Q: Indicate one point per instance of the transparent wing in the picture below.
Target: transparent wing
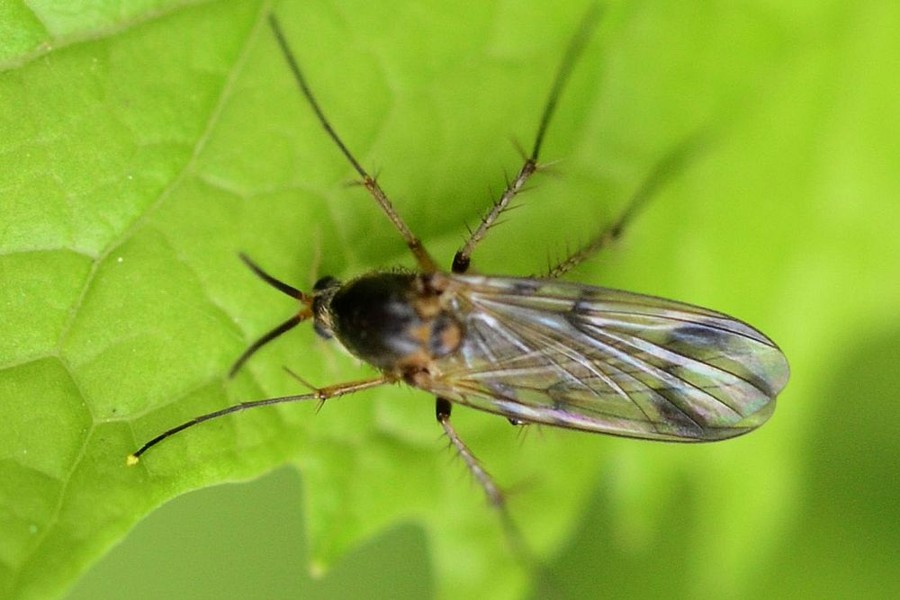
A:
(596, 359)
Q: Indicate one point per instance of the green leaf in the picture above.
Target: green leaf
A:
(143, 145)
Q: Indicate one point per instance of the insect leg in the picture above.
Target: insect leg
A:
(463, 256)
(320, 394)
(415, 245)
(671, 164)
(442, 409)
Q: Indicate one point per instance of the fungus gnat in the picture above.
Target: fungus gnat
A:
(532, 350)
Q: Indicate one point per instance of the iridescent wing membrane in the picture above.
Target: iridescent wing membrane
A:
(596, 359)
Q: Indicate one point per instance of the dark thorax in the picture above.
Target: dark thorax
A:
(398, 322)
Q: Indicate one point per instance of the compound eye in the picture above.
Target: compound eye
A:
(323, 283)
(322, 331)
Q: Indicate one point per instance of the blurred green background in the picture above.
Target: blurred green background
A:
(146, 143)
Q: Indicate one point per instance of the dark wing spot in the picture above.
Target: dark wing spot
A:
(581, 307)
(729, 351)
(526, 287)
(694, 336)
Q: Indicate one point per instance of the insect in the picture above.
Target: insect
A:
(533, 350)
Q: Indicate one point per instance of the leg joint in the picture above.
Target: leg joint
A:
(442, 409)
